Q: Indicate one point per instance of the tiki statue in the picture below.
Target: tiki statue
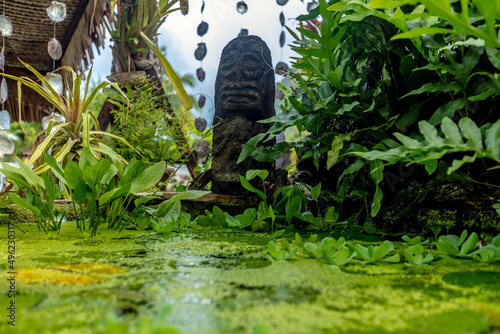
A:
(244, 94)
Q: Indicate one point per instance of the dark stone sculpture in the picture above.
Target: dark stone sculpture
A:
(244, 94)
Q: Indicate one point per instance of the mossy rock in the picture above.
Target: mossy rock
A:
(18, 214)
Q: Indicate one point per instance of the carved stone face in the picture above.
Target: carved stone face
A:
(245, 80)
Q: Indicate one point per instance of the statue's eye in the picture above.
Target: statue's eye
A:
(227, 65)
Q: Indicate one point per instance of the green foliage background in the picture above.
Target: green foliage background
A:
(426, 70)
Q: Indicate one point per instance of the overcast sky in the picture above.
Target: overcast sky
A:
(178, 34)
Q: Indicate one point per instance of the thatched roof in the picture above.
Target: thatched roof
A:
(82, 29)
(33, 29)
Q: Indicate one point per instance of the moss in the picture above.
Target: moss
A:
(437, 220)
(442, 220)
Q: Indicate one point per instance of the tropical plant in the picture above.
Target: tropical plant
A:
(466, 137)
(133, 34)
(366, 73)
(66, 140)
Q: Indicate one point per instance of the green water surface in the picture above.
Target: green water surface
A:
(212, 280)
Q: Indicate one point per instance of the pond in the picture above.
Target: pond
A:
(216, 280)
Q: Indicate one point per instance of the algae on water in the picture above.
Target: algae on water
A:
(216, 280)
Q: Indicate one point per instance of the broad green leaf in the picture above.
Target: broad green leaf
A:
(86, 156)
(451, 131)
(174, 79)
(422, 31)
(93, 175)
(232, 222)
(142, 221)
(470, 244)
(432, 87)
(49, 188)
(16, 178)
(293, 208)
(110, 196)
(471, 132)
(165, 206)
(173, 213)
(494, 56)
(385, 248)
(347, 107)
(361, 251)
(430, 134)
(56, 168)
(80, 191)
(316, 191)
(219, 216)
(252, 173)
(457, 163)
(251, 188)
(130, 172)
(148, 177)
(392, 259)
(377, 201)
(446, 246)
(73, 174)
(447, 111)
(143, 200)
(22, 203)
(29, 174)
(492, 141)
(250, 146)
(107, 151)
(333, 154)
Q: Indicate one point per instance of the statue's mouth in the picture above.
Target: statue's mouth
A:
(241, 99)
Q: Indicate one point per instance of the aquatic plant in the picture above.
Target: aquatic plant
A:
(285, 252)
(415, 256)
(453, 245)
(373, 254)
(168, 216)
(340, 258)
(89, 182)
(327, 247)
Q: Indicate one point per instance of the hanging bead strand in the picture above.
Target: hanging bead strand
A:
(281, 67)
(242, 8)
(200, 123)
(6, 144)
(56, 13)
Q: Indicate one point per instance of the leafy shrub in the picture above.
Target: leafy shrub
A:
(370, 72)
(146, 124)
